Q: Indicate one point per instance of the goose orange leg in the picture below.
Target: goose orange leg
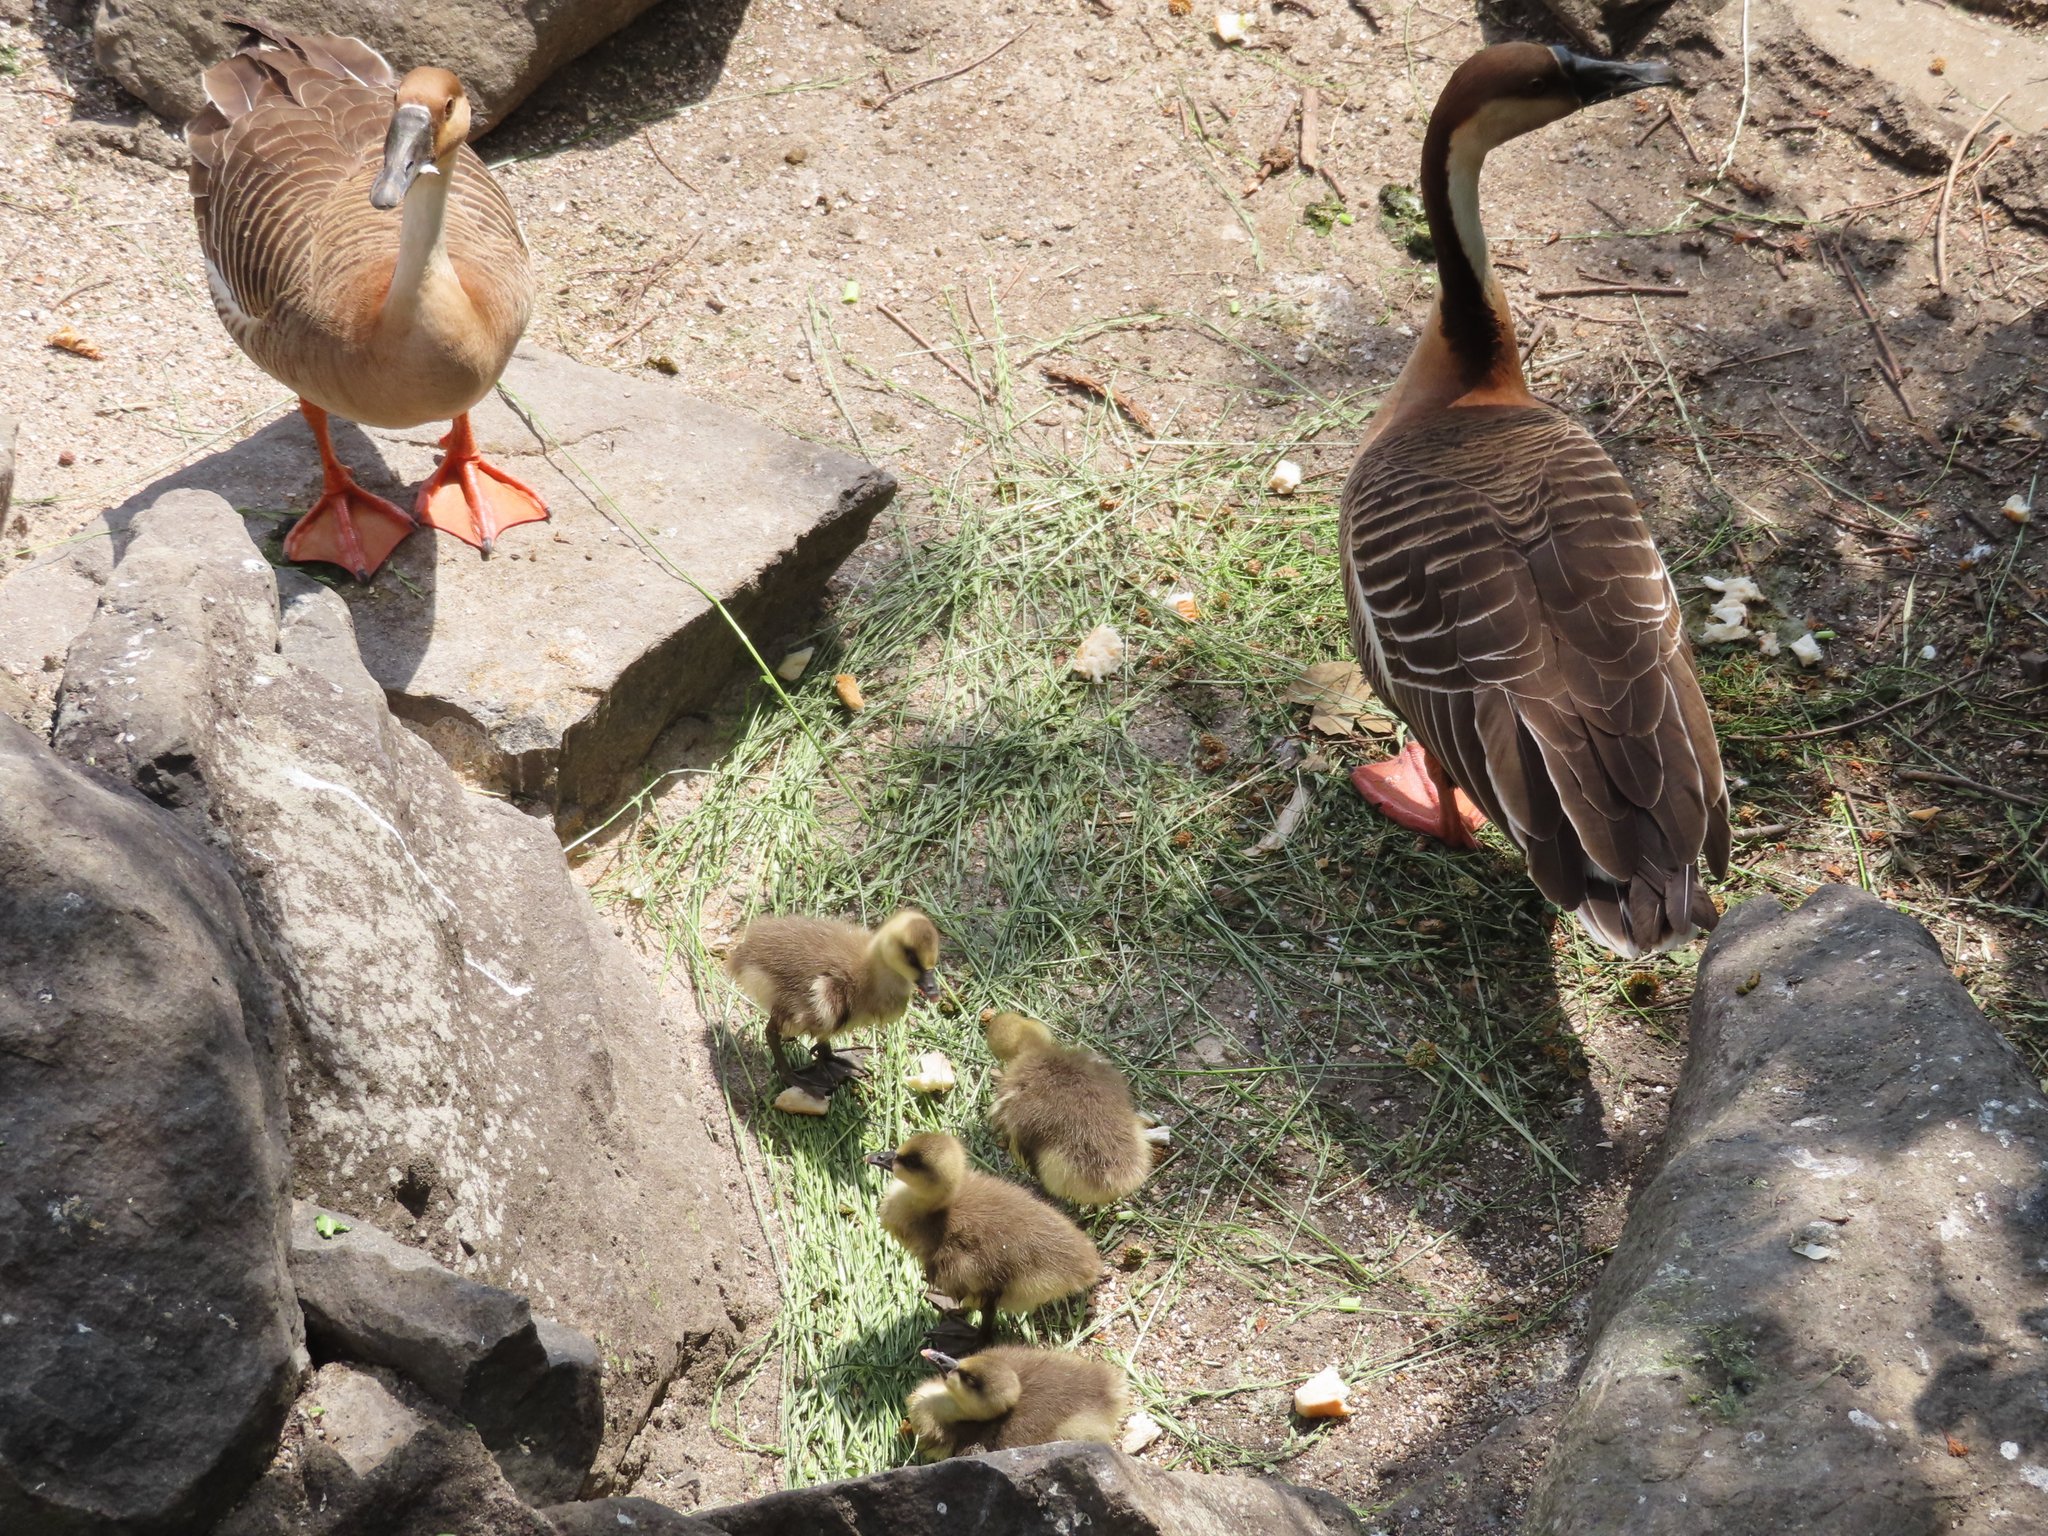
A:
(472, 499)
(348, 526)
(1413, 789)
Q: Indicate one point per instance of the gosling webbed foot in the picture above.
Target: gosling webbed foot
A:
(954, 1335)
(827, 1071)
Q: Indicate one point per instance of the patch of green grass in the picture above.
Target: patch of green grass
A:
(1724, 1363)
(1085, 850)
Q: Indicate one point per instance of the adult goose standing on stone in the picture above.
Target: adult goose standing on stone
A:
(1505, 597)
(361, 254)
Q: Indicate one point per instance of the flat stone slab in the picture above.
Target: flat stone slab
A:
(1826, 1312)
(1041, 1490)
(547, 670)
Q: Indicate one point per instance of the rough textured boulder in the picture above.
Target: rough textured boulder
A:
(532, 1390)
(156, 49)
(477, 1065)
(2019, 181)
(547, 671)
(1825, 1313)
(148, 1338)
(1605, 27)
(1044, 1490)
(8, 428)
(369, 1454)
(624, 1517)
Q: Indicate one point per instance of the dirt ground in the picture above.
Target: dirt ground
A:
(766, 202)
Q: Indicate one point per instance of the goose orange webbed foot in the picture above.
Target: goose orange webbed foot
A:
(472, 499)
(347, 526)
(350, 528)
(1413, 789)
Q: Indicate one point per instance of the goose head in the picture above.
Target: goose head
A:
(980, 1387)
(429, 122)
(1505, 91)
(932, 1165)
(908, 944)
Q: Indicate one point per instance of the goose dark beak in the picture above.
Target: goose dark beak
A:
(408, 151)
(943, 1361)
(1594, 80)
(928, 985)
(881, 1159)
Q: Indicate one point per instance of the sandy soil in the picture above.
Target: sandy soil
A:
(704, 193)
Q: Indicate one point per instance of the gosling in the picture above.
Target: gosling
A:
(1010, 1396)
(821, 979)
(1066, 1114)
(986, 1245)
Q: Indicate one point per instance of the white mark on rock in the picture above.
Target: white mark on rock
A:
(1864, 1421)
(515, 991)
(305, 780)
(1822, 1167)
(2009, 1449)
(2036, 1477)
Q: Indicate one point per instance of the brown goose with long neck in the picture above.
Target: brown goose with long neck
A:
(1505, 596)
(360, 253)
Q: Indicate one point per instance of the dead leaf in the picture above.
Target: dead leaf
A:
(1337, 695)
(68, 340)
(849, 691)
(1956, 1447)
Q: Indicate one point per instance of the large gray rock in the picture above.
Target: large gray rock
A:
(148, 1337)
(532, 1390)
(478, 1066)
(369, 1454)
(1042, 1490)
(156, 49)
(624, 1517)
(547, 671)
(1842, 1095)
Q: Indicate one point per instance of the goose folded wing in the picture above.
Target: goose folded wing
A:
(1525, 628)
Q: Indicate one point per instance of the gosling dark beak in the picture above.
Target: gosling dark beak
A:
(944, 1362)
(408, 151)
(881, 1159)
(928, 985)
(1604, 79)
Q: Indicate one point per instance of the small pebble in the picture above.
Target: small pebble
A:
(796, 156)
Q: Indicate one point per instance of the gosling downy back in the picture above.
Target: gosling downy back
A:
(819, 977)
(1066, 1114)
(982, 1240)
(1012, 1395)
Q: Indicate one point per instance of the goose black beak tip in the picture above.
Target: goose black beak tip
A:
(943, 1361)
(928, 986)
(881, 1159)
(1604, 79)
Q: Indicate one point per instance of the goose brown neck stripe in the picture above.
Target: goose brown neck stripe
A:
(1469, 322)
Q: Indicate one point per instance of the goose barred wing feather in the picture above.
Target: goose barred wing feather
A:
(283, 157)
(1507, 601)
(288, 121)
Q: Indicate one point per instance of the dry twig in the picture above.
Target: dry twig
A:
(1887, 360)
(1311, 103)
(662, 161)
(1073, 378)
(1957, 781)
(952, 74)
(1619, 290)
(934, 353)
(1948, 187)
